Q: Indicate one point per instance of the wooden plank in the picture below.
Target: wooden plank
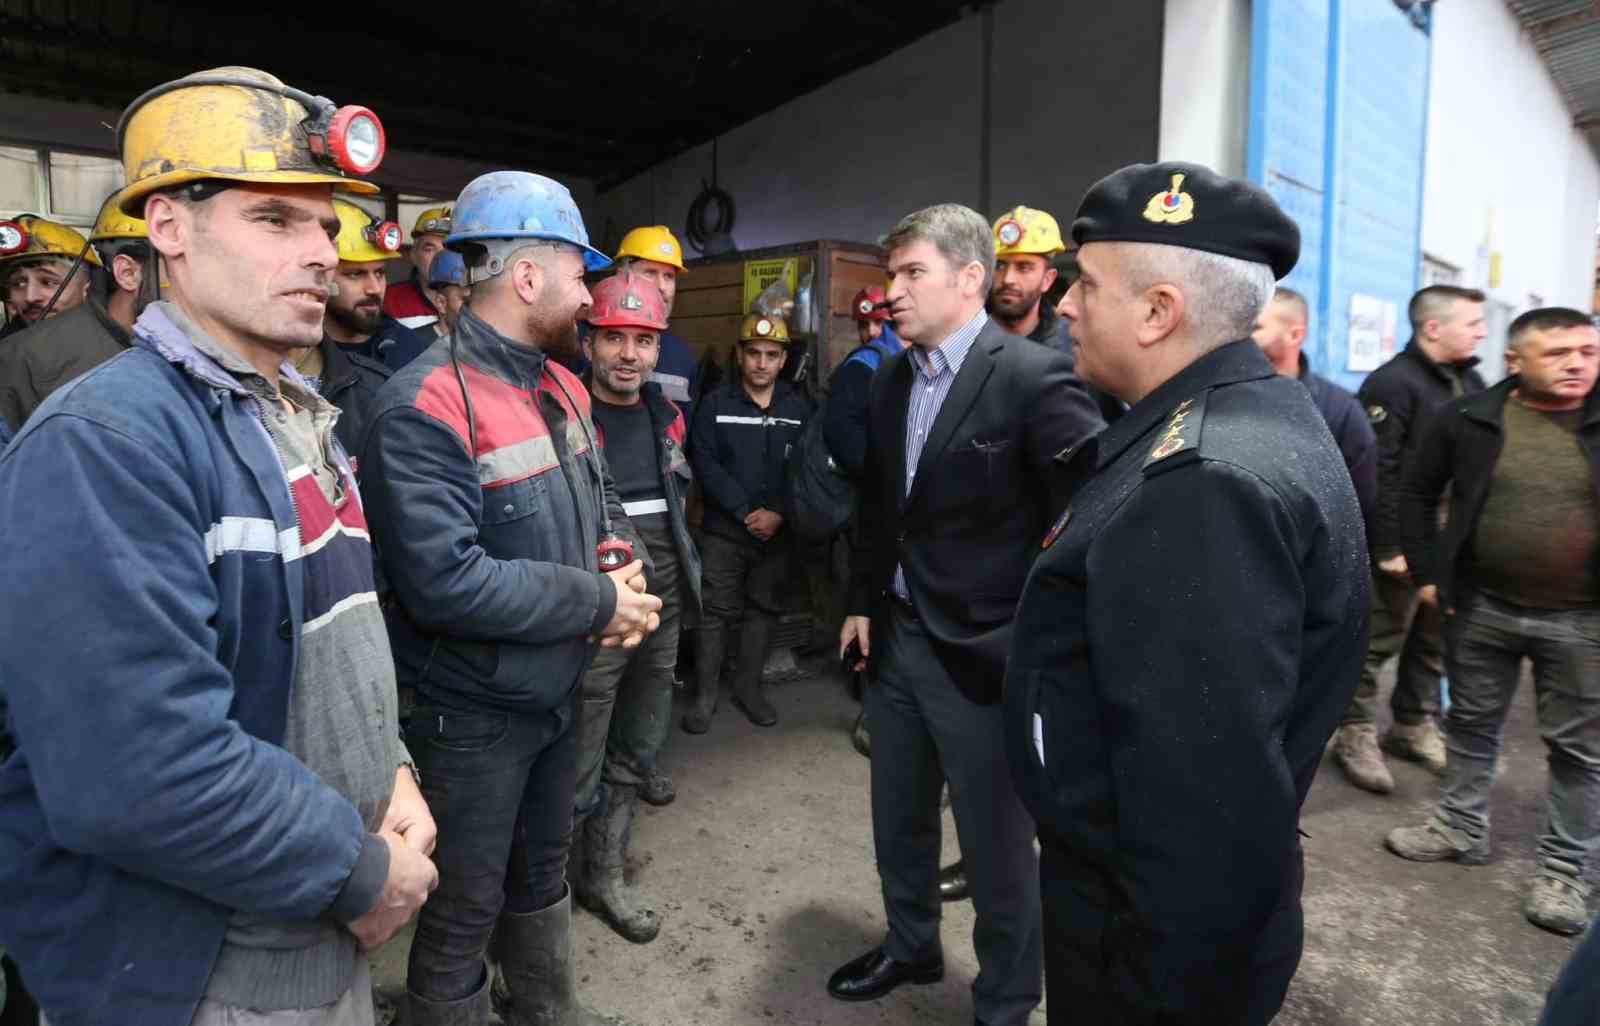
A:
(723, 300)
(711, 276)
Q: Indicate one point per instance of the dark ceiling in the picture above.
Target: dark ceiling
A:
(601, 89)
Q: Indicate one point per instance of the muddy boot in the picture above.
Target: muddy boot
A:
(1436, 841)
(1421, 743)
(859, 735)
(539, 971)
(709, 642)
(749, 693)
(601, 888)
(658, 790)
(472, 1010)
(1557, 903)
(1356, 752)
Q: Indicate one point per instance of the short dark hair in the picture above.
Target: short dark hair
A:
(1283, 295)
(1546, 318)
(1433, 302)
(109, 250)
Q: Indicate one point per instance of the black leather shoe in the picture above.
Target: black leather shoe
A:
(953, 882)
(875, 974)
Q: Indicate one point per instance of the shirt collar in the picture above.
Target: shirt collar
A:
(952, 352)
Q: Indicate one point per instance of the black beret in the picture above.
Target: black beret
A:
(1192, 206)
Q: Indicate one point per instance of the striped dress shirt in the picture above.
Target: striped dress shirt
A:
(936, 372)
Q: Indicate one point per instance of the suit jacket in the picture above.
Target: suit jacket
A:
(985, 494)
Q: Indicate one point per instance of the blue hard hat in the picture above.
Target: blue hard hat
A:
(448, 268)
(520, 205)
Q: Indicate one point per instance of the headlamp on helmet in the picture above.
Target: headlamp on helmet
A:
(13, 238)
(385, 236)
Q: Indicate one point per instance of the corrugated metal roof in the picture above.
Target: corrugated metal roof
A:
(1567, 35)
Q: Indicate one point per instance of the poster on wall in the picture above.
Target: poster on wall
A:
(1371, 337)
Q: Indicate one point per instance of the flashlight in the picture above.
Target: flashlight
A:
(614, 552)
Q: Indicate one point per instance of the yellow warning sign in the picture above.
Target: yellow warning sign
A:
(758, 274)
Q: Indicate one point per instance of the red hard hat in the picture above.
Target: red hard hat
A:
(868, 305)
(626, 301)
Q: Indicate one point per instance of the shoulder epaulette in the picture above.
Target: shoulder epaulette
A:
(1178, 440)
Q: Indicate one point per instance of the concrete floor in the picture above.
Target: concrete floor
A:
(764, 871)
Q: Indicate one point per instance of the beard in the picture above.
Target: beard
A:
(626, 388)
(1013, 306)
(361, 320)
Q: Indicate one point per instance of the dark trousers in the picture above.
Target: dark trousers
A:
(1400, 626)
(500, 787)
(926, 731)
(740, 581)
(627, 696)
(1486, 644)
(1575, 997)
(1086, 965)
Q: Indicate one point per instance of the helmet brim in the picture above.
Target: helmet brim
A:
(624, 322)
(593, 259)
(133, 196)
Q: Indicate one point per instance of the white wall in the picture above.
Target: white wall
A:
(1205, 83)
(1501, 146)
(42, 122)
(1072, 97)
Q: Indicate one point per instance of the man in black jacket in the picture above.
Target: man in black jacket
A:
(627, 695)
(1446, 326)
(59, 348)
(1280, 332)
(957, 491)
(742, 435)
(1194, 627)
(1516, 571)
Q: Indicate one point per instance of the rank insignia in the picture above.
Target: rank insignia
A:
(1182, 432)
(1060, 525)
(1171, 207)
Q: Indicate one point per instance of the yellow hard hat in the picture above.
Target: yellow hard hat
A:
(1025, 230)
(29, 237)
(433, 221)
(764, 328)
(654, 243)
(114, 224)
(243, 125)
(363, 239)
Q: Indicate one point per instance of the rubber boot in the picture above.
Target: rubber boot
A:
(539, 971)
(709, 641)
(749, 693)
(472, 1010)
(601, 887)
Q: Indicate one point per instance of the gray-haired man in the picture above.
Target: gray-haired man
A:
(962, 428)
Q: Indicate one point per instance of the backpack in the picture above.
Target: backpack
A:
(821, 498)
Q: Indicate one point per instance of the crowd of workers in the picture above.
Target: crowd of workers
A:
(1111, 576)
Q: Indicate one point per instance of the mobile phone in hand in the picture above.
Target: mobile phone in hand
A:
(852, 656)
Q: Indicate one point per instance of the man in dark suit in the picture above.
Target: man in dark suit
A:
(956, 496)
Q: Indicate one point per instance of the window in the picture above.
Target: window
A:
(1439, 272)
(21, 184)
(62, 186)
(79, 184)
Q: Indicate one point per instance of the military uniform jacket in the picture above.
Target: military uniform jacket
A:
(1185, 645)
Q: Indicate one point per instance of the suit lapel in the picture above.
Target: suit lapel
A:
(975, 370)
